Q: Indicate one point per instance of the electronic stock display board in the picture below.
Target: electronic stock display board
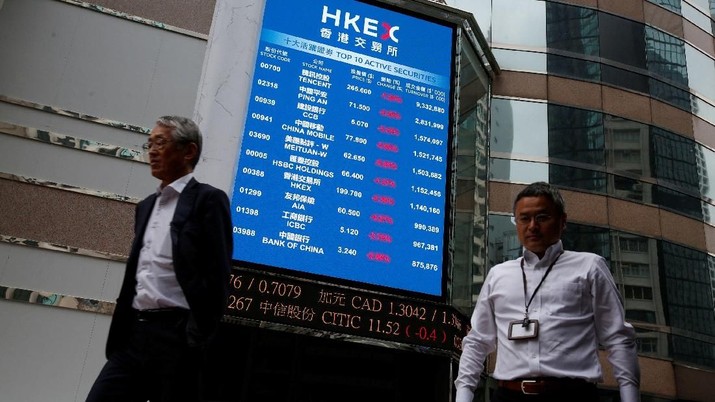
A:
(343, 164)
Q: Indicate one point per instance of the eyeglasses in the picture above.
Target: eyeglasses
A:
(159, 143)
(538, 218)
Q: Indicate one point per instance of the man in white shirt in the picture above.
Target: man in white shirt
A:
(175, 285)
(545, 315)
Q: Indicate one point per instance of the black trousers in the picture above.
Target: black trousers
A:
(587, 393)
(157, 365)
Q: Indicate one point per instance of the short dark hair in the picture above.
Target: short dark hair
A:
(541, 188)
(183, 130)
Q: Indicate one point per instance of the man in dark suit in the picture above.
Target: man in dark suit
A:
(176, 280)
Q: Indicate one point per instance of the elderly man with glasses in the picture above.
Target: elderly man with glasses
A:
(176, 280)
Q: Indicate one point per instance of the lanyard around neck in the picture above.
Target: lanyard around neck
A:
(523, 276)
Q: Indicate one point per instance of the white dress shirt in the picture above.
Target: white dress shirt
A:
(157, 286)
(578, 307)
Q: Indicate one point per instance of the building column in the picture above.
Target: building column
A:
(225, 84)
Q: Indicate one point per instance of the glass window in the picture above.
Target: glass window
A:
(517, 171)
(627, 156)
(675, 159)
(628, 135)
(482, 11)
(697, 16)
(637, 292)
(703, 109)
(686, 276)
(582, 179)
(624, 78)
(519, 127)
(519, 23)
(587, 238)
(693, 351)
(706, 164)
(583, 144)
(701, 70)
(635, 269)
(677, 202)
(647, 345)
(665, 56)
(503, 242)
(625, 142)
(463, 274)
(630, 160)
(708, 215)
(672, 5)
(468, 256)
(572, 29)
(706, 7)
(702, 4)
(520, 61)
(641, 315)
(574, 68)
(670, 94)
(632, 55)
(576, 135)
(630, 189)
(622, 40)
(634, 244)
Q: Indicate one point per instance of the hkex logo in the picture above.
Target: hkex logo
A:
(368, 26)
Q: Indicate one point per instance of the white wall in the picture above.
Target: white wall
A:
(72, 58)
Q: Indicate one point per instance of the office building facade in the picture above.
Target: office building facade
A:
(612, 101)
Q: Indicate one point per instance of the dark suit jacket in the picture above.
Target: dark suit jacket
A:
(202, 246)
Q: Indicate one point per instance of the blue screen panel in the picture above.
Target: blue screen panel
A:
(342, 167)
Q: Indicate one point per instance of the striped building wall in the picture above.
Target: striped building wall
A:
(81, 87)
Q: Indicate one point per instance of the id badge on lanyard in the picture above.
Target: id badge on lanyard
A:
(523, 329)
(526, 328)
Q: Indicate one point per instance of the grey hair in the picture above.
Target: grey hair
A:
(183, 131)
(544, 189)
